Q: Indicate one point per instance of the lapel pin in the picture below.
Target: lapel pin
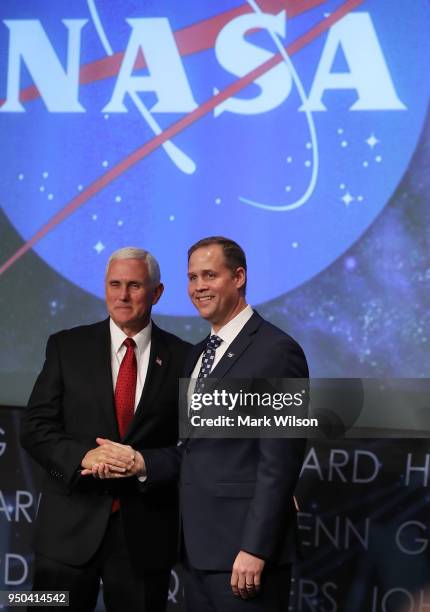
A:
(158, 361)
(230, 355)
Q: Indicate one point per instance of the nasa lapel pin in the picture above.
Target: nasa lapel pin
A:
(158, 361)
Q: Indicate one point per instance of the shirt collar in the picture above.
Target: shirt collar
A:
(117, 337)
(230, 330)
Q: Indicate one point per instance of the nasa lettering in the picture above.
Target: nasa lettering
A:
(277, 132)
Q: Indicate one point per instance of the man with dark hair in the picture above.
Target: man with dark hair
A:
(107, 391)
(236, 495)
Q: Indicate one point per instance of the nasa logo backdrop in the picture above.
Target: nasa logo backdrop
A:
(284, 124)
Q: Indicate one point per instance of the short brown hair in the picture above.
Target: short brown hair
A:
(233, 253)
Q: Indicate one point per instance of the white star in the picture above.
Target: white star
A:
(99, 247)
(372, 141)
(347, 198)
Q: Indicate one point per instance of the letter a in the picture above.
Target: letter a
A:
(166, 74)
(368, 71)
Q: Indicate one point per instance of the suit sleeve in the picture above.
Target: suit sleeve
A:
(278, 470)
(162, 465)
(42, 427)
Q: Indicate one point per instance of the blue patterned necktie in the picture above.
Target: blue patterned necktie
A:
(207, 362)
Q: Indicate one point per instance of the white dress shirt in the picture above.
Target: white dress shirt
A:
(142, 350)
(227, 333)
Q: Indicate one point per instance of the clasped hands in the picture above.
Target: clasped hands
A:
(112, 460)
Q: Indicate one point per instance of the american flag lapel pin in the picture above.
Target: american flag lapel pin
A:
(158, 361)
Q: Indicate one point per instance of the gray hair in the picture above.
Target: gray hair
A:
(136, 253)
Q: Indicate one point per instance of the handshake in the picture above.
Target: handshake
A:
(113, 460)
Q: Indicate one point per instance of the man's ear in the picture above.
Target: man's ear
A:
(158, 292)
(240, 275)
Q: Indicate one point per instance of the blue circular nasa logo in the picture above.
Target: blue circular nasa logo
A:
(284, 125)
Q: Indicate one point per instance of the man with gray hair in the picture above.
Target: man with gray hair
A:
(107, 391)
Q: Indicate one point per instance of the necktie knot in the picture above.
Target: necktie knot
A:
(129, 342)
(214, 342)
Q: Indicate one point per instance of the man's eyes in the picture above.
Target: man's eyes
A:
(193, 277)
(117, 284)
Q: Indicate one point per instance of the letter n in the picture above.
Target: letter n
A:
(29, 44)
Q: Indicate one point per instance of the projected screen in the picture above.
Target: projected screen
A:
(297, 127)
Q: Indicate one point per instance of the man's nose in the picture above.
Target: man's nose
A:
(124, 293)
(201, 284)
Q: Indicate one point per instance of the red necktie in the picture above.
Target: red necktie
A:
(125, 389)
(125, 392)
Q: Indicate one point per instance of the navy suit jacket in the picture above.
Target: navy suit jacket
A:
(72, 403)
(237, 494)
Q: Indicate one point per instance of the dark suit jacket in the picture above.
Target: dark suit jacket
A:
(72, 403)
(237, 494)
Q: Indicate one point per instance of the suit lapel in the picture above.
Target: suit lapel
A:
(234, 351)
(98, 355)
(195, 353)
(158, 363)
(230, 357)
(237, 347)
